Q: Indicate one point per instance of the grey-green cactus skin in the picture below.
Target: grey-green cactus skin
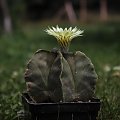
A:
(60, 77)
(84, 75)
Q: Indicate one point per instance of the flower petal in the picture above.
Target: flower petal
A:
(64, 36)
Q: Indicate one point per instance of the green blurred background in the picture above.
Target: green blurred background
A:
(22, 25)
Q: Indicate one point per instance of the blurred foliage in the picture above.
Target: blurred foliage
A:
(39, 9)
(17, 11)
(17, 8)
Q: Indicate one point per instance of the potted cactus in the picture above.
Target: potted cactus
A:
(60, 84)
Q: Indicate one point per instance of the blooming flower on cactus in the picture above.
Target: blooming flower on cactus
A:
(64, 36)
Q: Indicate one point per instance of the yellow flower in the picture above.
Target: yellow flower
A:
(64, 36)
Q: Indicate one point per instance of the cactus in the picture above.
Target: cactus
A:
(59, 75)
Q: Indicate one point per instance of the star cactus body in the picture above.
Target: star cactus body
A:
(64, 36)
(55, 76)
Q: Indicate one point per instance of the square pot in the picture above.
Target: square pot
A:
(61, 111)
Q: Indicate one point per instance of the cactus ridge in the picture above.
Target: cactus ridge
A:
(56, 76)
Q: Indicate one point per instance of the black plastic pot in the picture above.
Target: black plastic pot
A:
(61, 111)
